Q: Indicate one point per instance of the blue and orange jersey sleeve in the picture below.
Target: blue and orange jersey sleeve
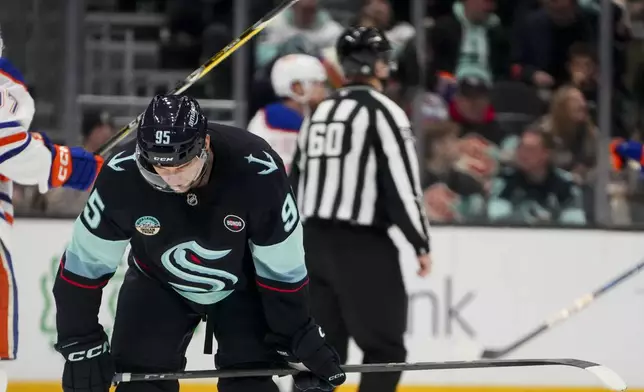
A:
(23, 158)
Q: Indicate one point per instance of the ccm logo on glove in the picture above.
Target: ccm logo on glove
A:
(71, 167)
(63, 164)
(90, 353)
(337, 376)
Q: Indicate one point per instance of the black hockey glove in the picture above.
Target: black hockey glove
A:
(308, 349)
(88, 364)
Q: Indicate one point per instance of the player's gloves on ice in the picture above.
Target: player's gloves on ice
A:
(88, 364)
(309, 350)
(72, 167)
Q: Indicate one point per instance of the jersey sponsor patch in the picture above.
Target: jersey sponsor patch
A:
(234, 223)
(147, 225)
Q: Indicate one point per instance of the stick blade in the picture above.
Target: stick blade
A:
(607, 376)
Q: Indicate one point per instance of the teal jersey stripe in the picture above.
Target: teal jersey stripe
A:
(281, 262)
(90, 256)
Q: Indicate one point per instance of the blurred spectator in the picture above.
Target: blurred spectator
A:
(450, 195)
(583, 69)
(378, 13)
(27, 200)
(621, 15)
(470, 38)
(482, 139)
(533, 190)
(583, 73)
(574, 134)
(97, 128)
(470, 104)
(543, 40)
(306, 19)
(513, 12)
(433, 108)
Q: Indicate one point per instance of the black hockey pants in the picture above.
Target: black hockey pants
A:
(357, 291)
(154, 325)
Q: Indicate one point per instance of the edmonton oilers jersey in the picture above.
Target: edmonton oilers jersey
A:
(240, 229)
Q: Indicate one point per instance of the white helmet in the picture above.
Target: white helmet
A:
(295, 68)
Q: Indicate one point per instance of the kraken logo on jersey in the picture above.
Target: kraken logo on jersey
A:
(204, 285)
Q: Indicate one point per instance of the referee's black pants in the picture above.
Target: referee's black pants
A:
(357, 291)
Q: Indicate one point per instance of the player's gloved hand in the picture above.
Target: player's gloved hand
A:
(622, 150)
(88, 364)
(308, 350)
(72, 167)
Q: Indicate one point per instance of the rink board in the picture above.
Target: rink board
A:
(488, 287)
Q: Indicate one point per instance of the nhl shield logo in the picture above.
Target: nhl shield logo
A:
(234, 223)
(191, 199)
(147, 225)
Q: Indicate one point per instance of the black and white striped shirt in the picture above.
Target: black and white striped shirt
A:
(356, 162)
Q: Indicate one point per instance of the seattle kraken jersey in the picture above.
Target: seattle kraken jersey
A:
(239, 231)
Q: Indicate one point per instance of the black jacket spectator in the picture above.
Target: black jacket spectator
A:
(542, 44)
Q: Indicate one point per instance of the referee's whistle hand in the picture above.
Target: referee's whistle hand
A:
(424, 265)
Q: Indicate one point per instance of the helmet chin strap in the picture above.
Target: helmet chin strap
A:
(200, 177)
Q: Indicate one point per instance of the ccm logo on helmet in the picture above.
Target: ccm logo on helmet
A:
(89, 354)
(163, 159)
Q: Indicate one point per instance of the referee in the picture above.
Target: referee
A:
(355, 173)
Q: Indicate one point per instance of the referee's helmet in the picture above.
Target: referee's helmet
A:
(359, 48)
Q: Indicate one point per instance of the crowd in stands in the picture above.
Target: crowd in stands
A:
(505, 93)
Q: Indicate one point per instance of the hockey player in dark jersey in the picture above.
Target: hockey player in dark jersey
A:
(215, 234)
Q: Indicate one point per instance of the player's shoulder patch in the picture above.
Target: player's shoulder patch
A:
(122, 160)
(281, 117)
(263, 162)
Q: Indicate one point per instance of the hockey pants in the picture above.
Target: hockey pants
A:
(154, 326)
(357, 291)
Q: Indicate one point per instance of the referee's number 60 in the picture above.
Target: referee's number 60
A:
(325, 139)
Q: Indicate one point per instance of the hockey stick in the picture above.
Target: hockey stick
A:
(203, 70)
(563, 314)
(608, 377)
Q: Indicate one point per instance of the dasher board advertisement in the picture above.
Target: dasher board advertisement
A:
(488, 287)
